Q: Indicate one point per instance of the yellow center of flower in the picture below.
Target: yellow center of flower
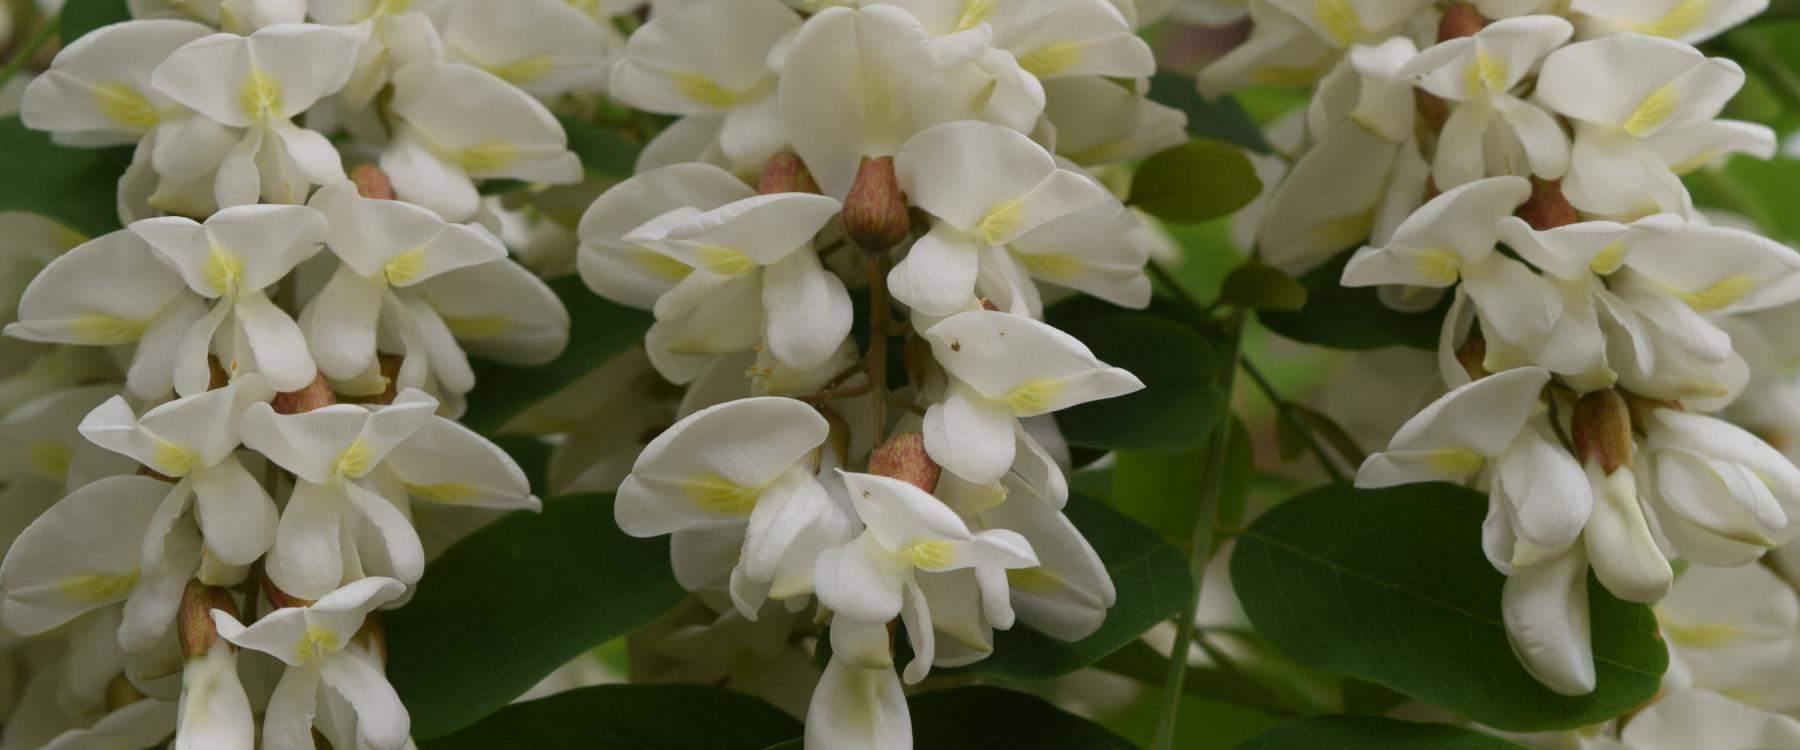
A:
(104, 330)
(1456, 461)
(314, 642)
(1608, 259)
(491, 156)
(661, 266)
(704, 90)
(1486, 72)
(1340, 21)
(974, 13)
(173, 460)
(124, 105)
(1033, 580)
(1678, 21)
(718, 495)
(98, 588)
(1708, 635)
(479, 327)
(1723, 294)
(223, 270)
(1439, 266)
(1052, 266)
(1000, 223)
(260, 96)
(405, 267)
(725, 261)
(929, 554)
(356, 460)
(1652, 112)
(1034, 396)
(524, 70)
(1051, 59)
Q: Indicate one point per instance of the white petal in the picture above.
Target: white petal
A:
(381, 720)
(1624, 554)
(970, 435)
(858, 708)
(807, 312)
(236, 514)
(79, 555)
(1545, 608)
(937, 276)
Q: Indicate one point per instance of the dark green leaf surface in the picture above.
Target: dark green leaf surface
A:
(74, 186)
(990, 718)
(1199, 180)
(599, 330)
(602, 150)
(79, 17)
(1260, 286)
(512, 602)
(1222, 118)
(640, 717)
(1390, 586)
(1181, 400)
(1371, 733)
(1162, 490)
(1342, 317)
(1152, 581)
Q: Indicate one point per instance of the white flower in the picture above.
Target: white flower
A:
(1685, 719)
(391, 38)
(1049, 40)
(545, 47)
(856, 707)
(1538, 500)
(97, 91)
(253, 87)
(1735, 631)
(489, 130)
(985, 186)
(231, 259)
(1688, 21)
(315, 642)
(1068, 594)
(1675, 289)
(1722, 496)
(1458, 434)
(629, 273)
(214, 710)
(234, 16)
(1004, 367)
(1100, 122)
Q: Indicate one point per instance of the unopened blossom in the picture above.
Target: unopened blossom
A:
(1722, 496)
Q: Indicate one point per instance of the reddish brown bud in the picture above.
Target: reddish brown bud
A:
(786, 173)
(1472, 355)
(1432, 110)
(1460, 20)
(875, 214)
(216, 376)
(315, 396)
(904, 458)
(1547, 209)
(194, 622)
(1431, 190)
(371, 182)
(281, 599)
(1601, 429)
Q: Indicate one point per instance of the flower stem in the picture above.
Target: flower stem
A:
(879, 317)
(1212, 485)
(46, 28)
(1285, 411)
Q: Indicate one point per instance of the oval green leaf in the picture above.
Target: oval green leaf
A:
(642, 717)
(1343, 317)
(1181, 400)
(1340, 732)
(989, 718)
(1199, 180)
(78, 17)
(77, 187)
(1222, 118)
(512, 602)
(1390, 586)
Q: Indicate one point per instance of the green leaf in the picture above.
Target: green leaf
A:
(1152, 580)
(1372, 732)
(79, 17)
(1181, 400)
(642, 717)
(1163, 489)
(599, 330)
(1259, 286)
(512, 602)
(75, 186)
(1343, 317)
(1221, 118)
(602, 149)
(1390, 586)
(1196, 181)
(989, 718)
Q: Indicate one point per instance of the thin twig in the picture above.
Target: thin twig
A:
(46, 29)
(907, 404)
(1285, 410)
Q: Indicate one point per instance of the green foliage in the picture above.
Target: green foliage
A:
(74, 186)
(1342, 732)
(1353, 318)
(1260, 286)
(600, 329)
(1196, 181)
(1222, 119)
(512, 602)
(989, 718)
(1757, 189)
(1390, 586)
(1181, 399)
(642, 717)
(1162, 489)
(79, 17)
(603, 150)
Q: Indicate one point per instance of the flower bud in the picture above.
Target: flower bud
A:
(371, 182)
(786, 173)
(875, 211)
(194, 622)
(1433, 111)
(281, 599)
(1547, 209)
(216, 376)
(1601, 429)
(1472, 355)
(315, 396)
(904, 458)
(1460, 20)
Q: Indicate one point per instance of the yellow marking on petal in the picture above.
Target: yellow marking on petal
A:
(1709, 635)
(1456, 461)
(98, 588)
(1340, 20)
(492, 156)
(405, 267)
(524, 70)
(173, 460)
(1608, 259)
(315, 642)
(726, 261)
(1000, 222)
(721, 496)
(443, 492)
(1653, 111)
(1034, 396)
(389, 8)
(260, 96)
(1722, 294)
(223, 270)
(1051, 59)
(1097, 154)
(974, 13)
(1697, 161)
(481, 327)
(124, 105)
(1052, 266)
(1678, 21)
(930, 554)
(705, 90)
(661, 266)
(1486, 72)
(51, 458)
(356, 460)
(106, 330)
(1033, 580)
(1438, 265)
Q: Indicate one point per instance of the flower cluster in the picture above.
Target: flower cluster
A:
(1525, 157)
(938, 158)
(267, 360)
